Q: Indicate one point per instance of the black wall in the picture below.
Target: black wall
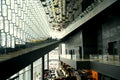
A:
(89, 39)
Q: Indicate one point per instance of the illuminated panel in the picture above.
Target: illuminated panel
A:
(0, 6)
(1, 23)
(3, 39)
(6, 25)
(4, 10)
(11, 29)
(9, 15)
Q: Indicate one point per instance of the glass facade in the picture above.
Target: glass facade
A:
(46, 61)
(54, 62)
(22, 21)
(24, 74)
(37, 69)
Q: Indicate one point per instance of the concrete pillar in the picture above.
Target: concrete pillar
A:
(32, 71)
(42, 67)
(48, 61)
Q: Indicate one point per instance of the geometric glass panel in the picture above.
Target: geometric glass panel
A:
(4, 10)
(6, 26)
(3, 39)
(1, 23)
(9, 14)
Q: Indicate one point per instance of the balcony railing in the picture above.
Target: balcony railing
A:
(109, 59)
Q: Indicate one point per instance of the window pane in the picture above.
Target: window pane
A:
(3, 39)
(11, 28)
(0, 7)
(16, 8)
(4, 10)
(8, 40)
(1, 22)
(13, 17)
(21, 4)
(18, 33)
(8, 2)
(23, 24)
(18, 1)
(15, 31)
(17, 20)
(22, 15)
(24, 6)
(3, 1)
(12, 4)
(19, 23)
(9, 14)
(13, 42)
(6, 26)
(24, 37)
(19, 12)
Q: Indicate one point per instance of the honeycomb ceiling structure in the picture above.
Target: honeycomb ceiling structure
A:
(60, 12)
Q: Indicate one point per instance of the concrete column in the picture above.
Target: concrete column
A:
(48, 61)
(42, 67)
(32, 71)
